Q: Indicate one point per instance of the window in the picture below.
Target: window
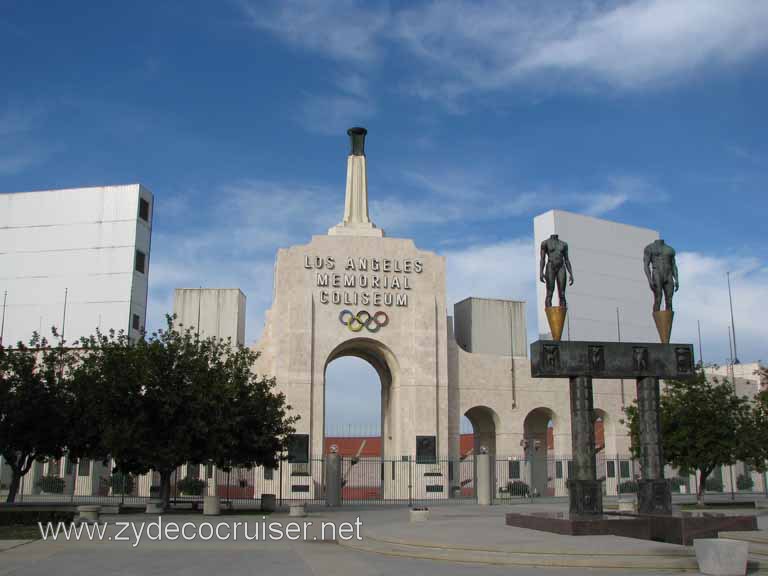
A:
(611, 469)
(269, 473)
(136, 322)
(70, 466)
(84, 467)
(570, 468)
(143, 209)
(559, 469)
(209, 470)
(141, 261)
(514, 469)
(624, 468)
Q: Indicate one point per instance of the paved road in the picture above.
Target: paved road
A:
(466, 525)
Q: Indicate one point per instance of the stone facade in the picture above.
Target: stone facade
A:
(354, 292)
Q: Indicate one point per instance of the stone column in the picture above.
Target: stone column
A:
(585, 492)
(333, 480)
(483, 479)
(654, 495)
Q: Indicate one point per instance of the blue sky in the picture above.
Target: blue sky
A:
(480, 115)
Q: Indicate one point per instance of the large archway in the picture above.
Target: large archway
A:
(538, 444)
(381, 359)
(364, 458)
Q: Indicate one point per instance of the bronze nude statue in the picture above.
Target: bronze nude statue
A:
(555, 253)
(661, 271)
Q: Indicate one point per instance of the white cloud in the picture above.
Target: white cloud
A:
(463, 46)
(452, 195)
(334, 113)
(232, 244)
(703, 296)
(505, 270)
(345, 30)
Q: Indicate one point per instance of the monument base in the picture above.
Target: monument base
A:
(663, 320)
(654, 497)
(556, 319)
(679, 528)
(586, 497)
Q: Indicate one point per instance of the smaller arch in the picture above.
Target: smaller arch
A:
(539, 427)
(485, 422)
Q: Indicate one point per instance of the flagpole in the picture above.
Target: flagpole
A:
(733, 326)
(2, 325)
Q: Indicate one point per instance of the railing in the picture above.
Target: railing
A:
(366, 480)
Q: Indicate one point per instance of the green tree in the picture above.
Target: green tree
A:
(173, 398)
(704, 424)
(32, 414)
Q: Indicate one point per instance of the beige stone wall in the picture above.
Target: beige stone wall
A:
(428, 381)
(303, 333)
(504, 384)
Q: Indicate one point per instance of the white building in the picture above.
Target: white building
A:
(218, 312)
(607, 260)
(88, 246)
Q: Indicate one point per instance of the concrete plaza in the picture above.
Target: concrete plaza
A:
(458, 539)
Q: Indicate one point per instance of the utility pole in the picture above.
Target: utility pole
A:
(730, 347)
(64, 315)
(733, 326)
(618, 334)
(701, 354)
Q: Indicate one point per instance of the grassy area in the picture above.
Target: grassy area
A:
(19, 532)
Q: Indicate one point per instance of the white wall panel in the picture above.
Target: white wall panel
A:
(82, 240)
(607, 259)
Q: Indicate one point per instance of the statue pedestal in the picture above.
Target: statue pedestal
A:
(585, 497)
(663, 320)
(654, 497)
(556, 319)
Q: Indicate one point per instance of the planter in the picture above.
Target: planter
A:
(155, 507)
(298, 510)
(721, 556)
(418, 514)
(88, 514)
(211, 506)
(268, 503)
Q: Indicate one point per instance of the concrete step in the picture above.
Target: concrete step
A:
(757, 539)
(685, 561)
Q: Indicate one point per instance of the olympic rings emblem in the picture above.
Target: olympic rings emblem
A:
(364, 319)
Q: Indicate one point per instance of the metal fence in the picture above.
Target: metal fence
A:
(365, 480)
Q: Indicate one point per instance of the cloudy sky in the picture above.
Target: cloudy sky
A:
(480, 115)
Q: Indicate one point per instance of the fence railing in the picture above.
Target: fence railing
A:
(364, 480)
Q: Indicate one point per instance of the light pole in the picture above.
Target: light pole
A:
(733, 326)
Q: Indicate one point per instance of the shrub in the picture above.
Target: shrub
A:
(518, 488)
(121, 483)
(190, 486)
(744, 482)
(51, 484)
(27, 517)
(713, 485)
(628, 487)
